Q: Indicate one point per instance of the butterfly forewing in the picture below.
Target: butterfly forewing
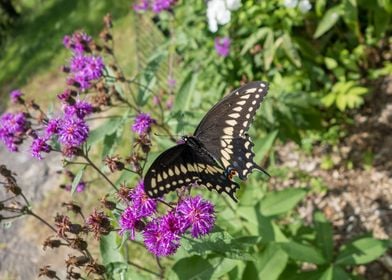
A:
(223, 129)
(181, 166)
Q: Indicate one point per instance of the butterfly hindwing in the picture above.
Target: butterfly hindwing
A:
(181, 166)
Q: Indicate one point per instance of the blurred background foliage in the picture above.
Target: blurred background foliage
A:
(320, 64)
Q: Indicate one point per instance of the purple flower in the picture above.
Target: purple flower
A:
(16, 95)
(86, 68)
(78, 42)
(161, 5)
(142, 123)
(93, 67)
(198, 214)
(65, 96)
(12, 129)
(160, 237)
(72, 131)
(38, 146)
(80, 109)
(222, 46)
(144, 205)
(52, 127)
(128, 222)
(141, 6)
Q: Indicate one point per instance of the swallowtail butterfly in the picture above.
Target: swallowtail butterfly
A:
(219, 149)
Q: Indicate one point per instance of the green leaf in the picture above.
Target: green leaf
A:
(304, 253)
(110, 252)
(250, 271)
(254, 39)
(107, 128)
(334, 273)
(351, 16)
(148, 78)
(221, 243)
(290, 50)
(77, 179)
(324, 235)
(184, 95)
(328, 21)
(320, 7)
(280, 202)
(261, 225)
(196, 267)
(271, 262)
(264, 145)
(361, 251)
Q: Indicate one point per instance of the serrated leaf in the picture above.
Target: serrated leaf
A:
(304, 253)
(324, 235)
(280, 202)
(361, 251)
(328, 21)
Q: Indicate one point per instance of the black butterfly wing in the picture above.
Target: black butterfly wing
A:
(180, 166)
(223, 129)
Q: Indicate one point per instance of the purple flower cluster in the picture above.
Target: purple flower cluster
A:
(78, 42)
(142, 123)
(80, 109)
(162, 234)
(156, 6)
(84, 68)
(222, 46)
(72, 131)
(140, 206)
(38, 146)
(13, 128)
(16, 96)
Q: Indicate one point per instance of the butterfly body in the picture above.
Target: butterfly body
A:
(218, 150)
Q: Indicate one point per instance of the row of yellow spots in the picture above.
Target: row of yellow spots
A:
(179, 170)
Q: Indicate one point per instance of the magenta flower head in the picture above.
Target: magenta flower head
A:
(222, 46)
(144, 205)
(80, 109)
(158, 6)
(72, 131)
(129, 221)
(142, 123)
(161, 237)
(84, 69)
(198, 214)
(52, 127)
(141, 6)
(16, 96)
(78, 42)
(12, 129)
(39, 146)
